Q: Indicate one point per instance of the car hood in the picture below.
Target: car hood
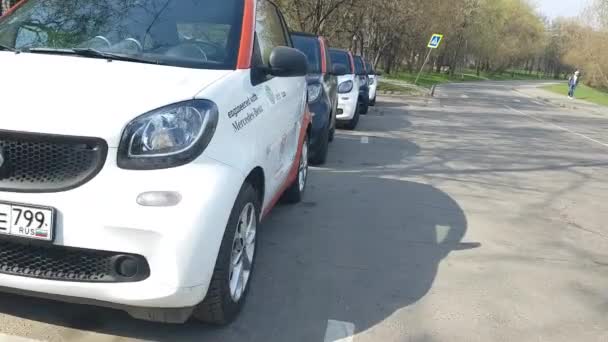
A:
(86, 96)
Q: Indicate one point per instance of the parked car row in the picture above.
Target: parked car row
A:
(159, 138)
(341, 87)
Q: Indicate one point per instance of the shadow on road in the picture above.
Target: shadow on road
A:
(364, 245)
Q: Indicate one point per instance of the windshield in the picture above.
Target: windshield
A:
(203, 34)
(359, 66)
(311, 47)
(341, 58)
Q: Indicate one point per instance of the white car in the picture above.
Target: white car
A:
(348, 88)
(373, 77)
(141, 146)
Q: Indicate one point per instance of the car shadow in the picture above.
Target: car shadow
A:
(365, 244)
(359, 249)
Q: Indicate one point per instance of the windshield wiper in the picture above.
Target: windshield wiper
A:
(7, 48)
(88, 52)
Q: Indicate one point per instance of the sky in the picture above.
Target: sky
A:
(561, 8)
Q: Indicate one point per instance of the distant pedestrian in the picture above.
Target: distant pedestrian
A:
(573, 83)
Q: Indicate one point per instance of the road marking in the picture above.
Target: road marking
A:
(442, 233)
(10, 338)
(557, 126)
(338, 331)
(464, 96)
(365, 140)
(517, 101)
(538, 103)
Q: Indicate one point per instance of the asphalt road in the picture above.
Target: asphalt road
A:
(478, 215)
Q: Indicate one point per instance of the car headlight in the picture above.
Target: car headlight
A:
(167, 137)
(314, 92)
(345, 87)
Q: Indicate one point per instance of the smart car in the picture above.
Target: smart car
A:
(141, 144)
(372, 76)
(348, 88)
(322, 93)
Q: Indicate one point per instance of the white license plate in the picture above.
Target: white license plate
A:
(26, 221)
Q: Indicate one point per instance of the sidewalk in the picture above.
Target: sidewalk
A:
(534, 91)
(413, 89)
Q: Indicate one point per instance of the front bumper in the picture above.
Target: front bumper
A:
(373, 90)
(180, 243)
(347, 105)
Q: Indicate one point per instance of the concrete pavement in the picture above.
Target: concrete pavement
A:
(478, 215)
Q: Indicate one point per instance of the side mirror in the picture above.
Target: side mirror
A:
(287, 62)
(339, 70)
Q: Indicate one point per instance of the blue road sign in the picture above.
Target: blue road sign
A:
(435, 41)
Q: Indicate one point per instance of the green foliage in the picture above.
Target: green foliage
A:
(582, 93)
(427, 80)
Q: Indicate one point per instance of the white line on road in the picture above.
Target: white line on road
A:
(464, 96)
(10, 338)
(557, 126)
(365, 140)
(338, 331)
(517, 100)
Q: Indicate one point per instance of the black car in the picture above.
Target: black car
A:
(322, 93)
(361, 72)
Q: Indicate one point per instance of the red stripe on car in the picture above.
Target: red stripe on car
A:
(323, 56)
(247, 34)
(352, 61)
(14, 8)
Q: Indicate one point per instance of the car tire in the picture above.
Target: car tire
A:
(295, 193)
(364, 107)
(320, 155)
(352, 123)
(332, 131)
(372, 103)
(225, 298)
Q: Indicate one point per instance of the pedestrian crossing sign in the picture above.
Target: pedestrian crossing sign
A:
(435, 41)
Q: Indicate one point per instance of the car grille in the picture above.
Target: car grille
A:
(67, 264)
(48, 163)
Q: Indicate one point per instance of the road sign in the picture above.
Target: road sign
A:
(435, 41)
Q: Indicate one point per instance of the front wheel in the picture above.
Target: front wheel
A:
(320, 155)
(332, 131)
(364, 109)
(352, 123)
(372, 102)
(234, 266)
(295, 192)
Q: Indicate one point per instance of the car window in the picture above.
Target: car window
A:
(181, 33)
(216, 34)
(311, 47)
(269, 30)
(359, 66)
(341, 58)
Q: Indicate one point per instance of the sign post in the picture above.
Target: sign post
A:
(433, 44)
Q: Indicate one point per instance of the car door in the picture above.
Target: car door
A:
(284, 96)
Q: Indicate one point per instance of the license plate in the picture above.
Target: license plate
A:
(27, 221)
